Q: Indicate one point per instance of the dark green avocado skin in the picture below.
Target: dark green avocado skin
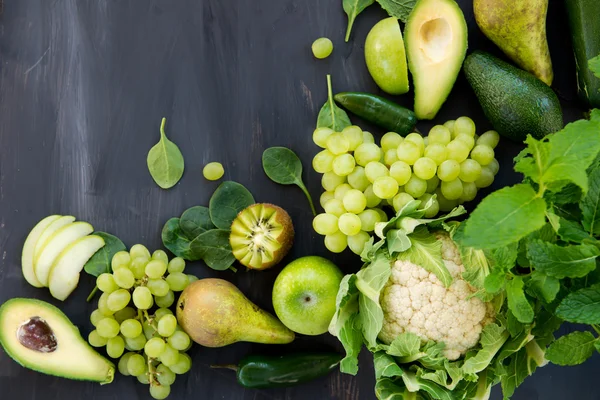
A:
(515, 102)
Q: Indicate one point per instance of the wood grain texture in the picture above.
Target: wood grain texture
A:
(83, 87)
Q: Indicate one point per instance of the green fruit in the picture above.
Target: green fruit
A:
(386, 58)
(518, 27)
(304, 294)
(514, 101)
(436, 44)
(40, 337)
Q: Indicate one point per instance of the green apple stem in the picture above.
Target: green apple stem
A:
(92, 294)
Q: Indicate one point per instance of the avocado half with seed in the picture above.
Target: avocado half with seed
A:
(261, 235)
(40, 337)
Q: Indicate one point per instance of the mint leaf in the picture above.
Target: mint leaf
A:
(426, 251)
(405, 345)
(590, 205)
(504, 217)
(543, 287)
(594, 65)
(517, 302)
(571, 231)
(573, 261)
(571, 349)
(494, 282)
(492, 339)
(532, 161)
(582, 306)
(398, 8)
(578, 143)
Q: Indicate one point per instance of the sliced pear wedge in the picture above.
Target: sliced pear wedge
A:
(65, 271)
(29, 248)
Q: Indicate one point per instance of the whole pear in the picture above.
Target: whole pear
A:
(518, 27)
(216, 313)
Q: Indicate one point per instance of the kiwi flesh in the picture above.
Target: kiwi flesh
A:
(261, 235)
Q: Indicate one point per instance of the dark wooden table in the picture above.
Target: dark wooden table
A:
(83, 86)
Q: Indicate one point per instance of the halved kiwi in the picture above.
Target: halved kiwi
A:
(261, 235)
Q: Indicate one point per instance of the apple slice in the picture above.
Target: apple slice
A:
(29, 247)
(56, 244)
(49, 231)
(64, 274)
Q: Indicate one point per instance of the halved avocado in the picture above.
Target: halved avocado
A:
(436, 44)
(40, 337)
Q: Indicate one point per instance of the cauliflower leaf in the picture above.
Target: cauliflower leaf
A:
(492, 339)
(426, 251)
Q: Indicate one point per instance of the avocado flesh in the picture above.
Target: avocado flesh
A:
(436, 43)
(68, 356)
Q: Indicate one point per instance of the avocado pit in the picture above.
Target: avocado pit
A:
(36, 334)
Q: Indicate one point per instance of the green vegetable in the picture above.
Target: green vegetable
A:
(100, 262)
(165, 161)
(195, 220)
(352, 9)
(382, 112)
(572, 349)
(582, 306)
(400, 9)
(330, 115)
(259, 372)
(283, 166)
(214, 248)
(177, 242)
(226, 202)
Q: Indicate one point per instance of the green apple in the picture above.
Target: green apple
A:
(304, 294)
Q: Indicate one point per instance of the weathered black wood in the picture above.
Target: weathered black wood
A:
(83, 86)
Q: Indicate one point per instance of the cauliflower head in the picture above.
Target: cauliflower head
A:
(415, 300)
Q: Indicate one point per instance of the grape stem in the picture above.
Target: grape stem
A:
(149, 320)
(92, 294)
(151, 371)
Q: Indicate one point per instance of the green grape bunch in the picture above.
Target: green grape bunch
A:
(134, 321)
(363, 180)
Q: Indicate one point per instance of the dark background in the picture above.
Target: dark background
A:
(83, 86)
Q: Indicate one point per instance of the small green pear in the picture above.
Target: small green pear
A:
(518, 27)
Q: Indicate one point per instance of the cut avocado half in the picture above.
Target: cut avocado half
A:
(436, 43)
(29, 247)
(40, 337)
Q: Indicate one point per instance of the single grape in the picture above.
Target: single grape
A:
(139, 250)
(372, 199)
(391, 140)
(464, 125)
(95, 317)
(161, 312)
(121, 259)
(448, 170)
(400, 200)
(425, 168)
(160, 255)
(325, 224)
(439, 134)
(358, 179)
(416, 186)
(343, 164)
(486, 178)
(336, 242)
(321, 48)
(385, 187)
(457, 151)
(96, 340)
(143, 378)
(103, 305)
(154, 347)
(408, 152)
(183, 365)
(357, 242)
(374, 170)
(416, 139)
(349, 224)
(483, 154)
(137, 343)
(192, 278)
(445, 204)
(368, 219)
(452, 190)
(118, 300)
(136, 365)
(160, 392)
(131, 328)
(433, 184)
(323, 161)
(115, 347)
(366, 153)
(179, 340)
(213, 171)
(158, 287)
(124, 278)
(437, 152)
(334, 207)
(469, 191)
(164, 375)
(325, 197)
(138, 267)
(108, 328)
(167, 325)
(106, 283)
(331, 181)
(165, 301)
(368, 137)
(494, 166)
(177, 281)
(122, 366)
(466, 139)
(170, 356)
(126, 313)
(470, 170)
(489, 138)
(401, 172)
(337, 143)
(431, 209)
(450, 125)
(155, 269)
(320, 136)
(390, 157)
(341, 191)
(354, 136)
(354, 201)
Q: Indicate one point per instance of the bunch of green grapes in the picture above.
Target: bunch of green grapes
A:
(361, 178)
(150, 344)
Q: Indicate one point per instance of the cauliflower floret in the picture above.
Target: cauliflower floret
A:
(415, 300)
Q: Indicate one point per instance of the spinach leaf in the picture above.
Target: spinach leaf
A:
(283, 166)
(398, 8)
(195, 220)
(214, 248)
(177, 242)
(100, 262)
(352, 9)
(331, 116)
(226, 202)
(571, 349)
(165, 161)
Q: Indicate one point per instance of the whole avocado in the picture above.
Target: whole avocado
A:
(514, 101)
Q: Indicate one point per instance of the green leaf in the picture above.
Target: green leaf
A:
(532, 161)
(426, 251)
(571, 231)
(194, 221)
(350, 335)
(331, 116)
(100, 262)
(574, 261)
(214, 248)
(594, 65)
(398, 8)
(177, 242)
(582, 306)
(226, 202)
(476, 264)
(414, 384)
(397, 241)
(492, 339)
(546, 323)
(517, 302)
(165, 161)
(388, 389)
(410, 210)
(494, 282)
(504, 217)
(405, 345)
(572, 349)
(578, 144)
(590, 205)
(385, 366)
(352, 9)
(514, 327)
(283, 166)
(512, 346)
(516, 372)
(595, 116)
(408, 223)
(543, 287)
